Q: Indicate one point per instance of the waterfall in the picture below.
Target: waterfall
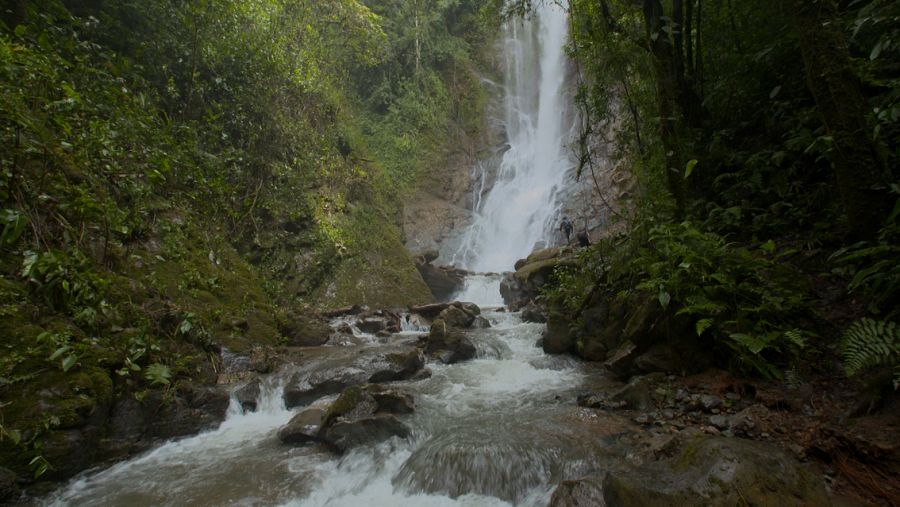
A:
(520, 210)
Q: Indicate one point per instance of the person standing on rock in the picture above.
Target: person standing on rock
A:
(566, 227)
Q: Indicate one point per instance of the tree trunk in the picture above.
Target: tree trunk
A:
(667, 94)
(860, 168)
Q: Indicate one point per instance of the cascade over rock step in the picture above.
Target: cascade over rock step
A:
(340, 367)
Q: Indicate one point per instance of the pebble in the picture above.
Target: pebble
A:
(719, 421)
(710, 402)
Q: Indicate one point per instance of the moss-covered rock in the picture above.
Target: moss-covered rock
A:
(717, 472)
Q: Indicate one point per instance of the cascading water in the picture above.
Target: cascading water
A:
(519, 209)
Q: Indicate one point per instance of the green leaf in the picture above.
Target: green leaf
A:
(14, 435)
(158, 374)
(39, 465)
(664, 298)
(774, 92)
(68, 362)
(768, 246)
(690, 168)
(876, 50)
(59, 352)
(703, 325)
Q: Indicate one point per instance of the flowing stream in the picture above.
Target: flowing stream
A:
(501, 429)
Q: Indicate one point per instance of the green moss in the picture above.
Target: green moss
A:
(347, 401)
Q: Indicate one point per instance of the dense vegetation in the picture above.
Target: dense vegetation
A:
(764, 143)
(180, 177)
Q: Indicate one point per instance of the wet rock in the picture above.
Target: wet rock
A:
(638, 393)
(263, 359)
(303, 330)
(303, 428)
(456, 316)
(247, 395)
(429, 311)
(392, 401)
(659, 357)
(346, 310)
(620, 364)
(719, 421)
(363, 415)
(533, 313)
(481, 323)
(444, 281)
(511, 290)
(748, 420)
(469, 307)
(348, 434)
(717, 472)
(424, 373)
(372, 325)
(448, 344)
(9, 487)
(558, 337)
(352, 367)
(710, 402)
(585, 492)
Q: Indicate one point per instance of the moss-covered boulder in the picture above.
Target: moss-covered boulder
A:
(364, 414)
(303, 428)
(303, 329)
(448, 344)
(558, 337)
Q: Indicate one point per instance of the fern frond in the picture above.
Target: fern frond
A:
(869, 343)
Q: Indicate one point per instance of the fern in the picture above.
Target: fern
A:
(869, 343)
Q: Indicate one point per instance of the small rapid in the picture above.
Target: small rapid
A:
(495, 430)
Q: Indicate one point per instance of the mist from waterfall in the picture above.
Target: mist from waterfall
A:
(520, 210)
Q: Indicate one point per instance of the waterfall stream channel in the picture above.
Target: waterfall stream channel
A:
(500, 429)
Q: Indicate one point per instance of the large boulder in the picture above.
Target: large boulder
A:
(443, 281)
(303, 330)
(638, 393)
(534, 313)
(457, 316)
(511, 290)
(586, 492)
(364, 414)
(303, 428)
(558, 338)
(717, 472)
(448, 344)
(342, 368)
(248, 395)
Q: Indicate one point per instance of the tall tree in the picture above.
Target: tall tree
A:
(860, 168)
